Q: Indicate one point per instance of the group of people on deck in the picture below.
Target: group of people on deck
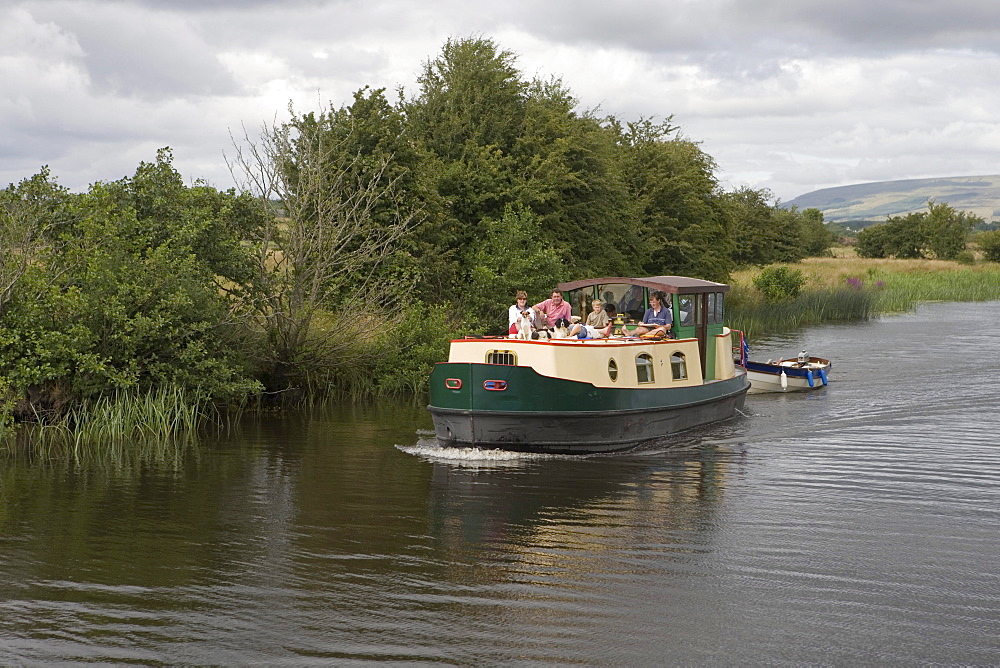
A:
(600, 322)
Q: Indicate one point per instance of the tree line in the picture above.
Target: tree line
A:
(360, 239)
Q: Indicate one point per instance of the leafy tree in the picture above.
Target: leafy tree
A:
(680, 224)
(873, 242)
(762, 233)
(131, 296)
(946, 230)
(940, 232)
(510, 257)
(575, 184)
(989, 244)
(494, 140)
(815, 237)
(32, 213)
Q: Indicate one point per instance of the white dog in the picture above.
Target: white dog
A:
(525, 325)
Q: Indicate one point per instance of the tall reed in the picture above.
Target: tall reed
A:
(111, 425)
(844, 289)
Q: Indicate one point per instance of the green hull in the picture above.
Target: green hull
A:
(537, 413)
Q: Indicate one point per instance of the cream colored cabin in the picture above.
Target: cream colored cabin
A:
(614, 362)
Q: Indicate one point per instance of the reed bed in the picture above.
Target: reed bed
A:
(850, 288)
(154, 422)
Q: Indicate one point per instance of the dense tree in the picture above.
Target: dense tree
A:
(946, 230)
(989, 244)
(940, 232)
(815, 237)
(494, 140)
(762, 233)
(131, 297)
(508, 258)
(32, 215)
(679, 223)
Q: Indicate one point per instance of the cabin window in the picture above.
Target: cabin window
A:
(715, 312)
(612, 369)
(506, 357)
(678, 366)
(629, 300)
(685, 310)
(715, 308)
(579, 301)
(644, 368)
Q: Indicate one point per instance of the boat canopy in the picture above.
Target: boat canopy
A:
(669, 284)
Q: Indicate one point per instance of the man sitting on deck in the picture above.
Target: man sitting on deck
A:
(553, 308)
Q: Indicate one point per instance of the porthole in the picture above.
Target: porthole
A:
(612, 369)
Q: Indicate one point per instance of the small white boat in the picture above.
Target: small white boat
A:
(793, 374)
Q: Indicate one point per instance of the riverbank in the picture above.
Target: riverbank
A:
(840, 289)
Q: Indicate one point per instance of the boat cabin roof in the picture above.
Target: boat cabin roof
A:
(669, 284)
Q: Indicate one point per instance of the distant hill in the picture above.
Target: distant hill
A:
(874, 201)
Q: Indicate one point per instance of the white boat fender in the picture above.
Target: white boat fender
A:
(809, 377)
(822, 375)
(784, 380)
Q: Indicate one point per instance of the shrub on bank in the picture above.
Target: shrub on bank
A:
(778, 283)
(989, 244)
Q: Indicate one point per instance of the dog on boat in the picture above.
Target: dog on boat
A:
(560, 330)
(526, 326)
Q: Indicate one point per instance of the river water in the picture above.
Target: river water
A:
(855, 524)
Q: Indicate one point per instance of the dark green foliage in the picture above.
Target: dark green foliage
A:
(816, 238)
(941, 232)
(778, 283)
(679, 225)
(947, 230)
(402, 360)
(511, 256)
(761, 232)
(130, 296)
(965, 257)
(989, 244)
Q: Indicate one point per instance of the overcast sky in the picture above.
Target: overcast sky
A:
(789, 95)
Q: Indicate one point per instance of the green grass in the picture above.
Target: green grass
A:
(840, 290)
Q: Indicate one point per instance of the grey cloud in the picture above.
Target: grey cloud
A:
(141, 54)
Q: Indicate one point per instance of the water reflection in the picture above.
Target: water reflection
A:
(853, 524)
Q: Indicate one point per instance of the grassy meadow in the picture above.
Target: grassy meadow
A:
(848, 288)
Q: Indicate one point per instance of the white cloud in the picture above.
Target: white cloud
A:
(788, 95)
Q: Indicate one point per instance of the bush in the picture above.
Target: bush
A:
(965, 257)
(778, 283)
(989, 244)
(403, 360)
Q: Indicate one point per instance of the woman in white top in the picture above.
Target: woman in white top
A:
(514, 312)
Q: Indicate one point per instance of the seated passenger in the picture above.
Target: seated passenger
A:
(589, 331)
(553, 308)
(515, 311)
(658, 319)
(597, 317)
(632, 301)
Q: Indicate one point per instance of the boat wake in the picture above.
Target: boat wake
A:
(427, 447)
